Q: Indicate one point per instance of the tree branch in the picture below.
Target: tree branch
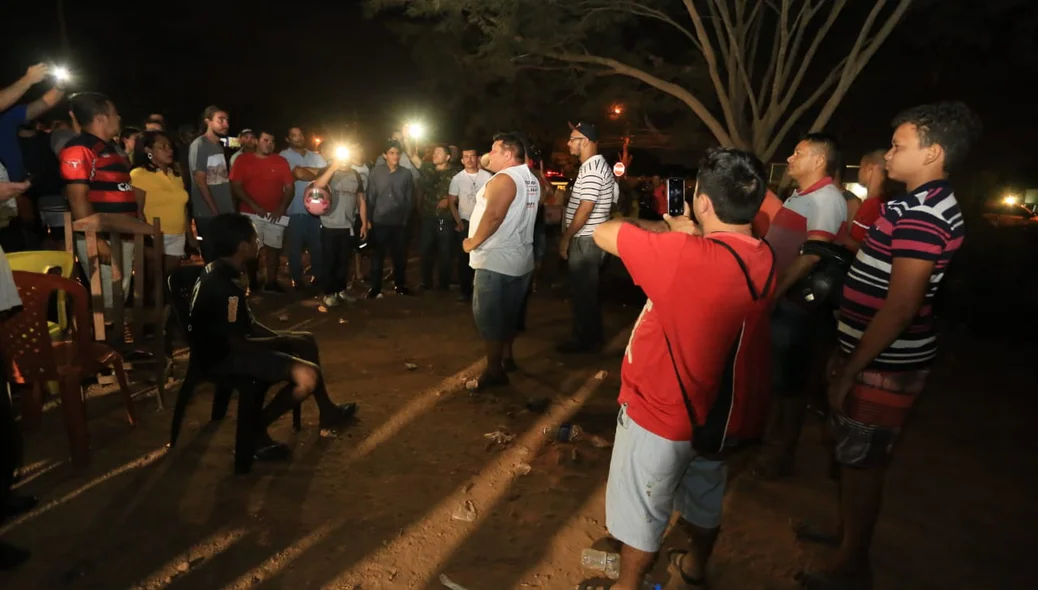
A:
(711, 62)
(806, 61)
(791, 119)
(639, 9)
(670, 88)
(861, 54)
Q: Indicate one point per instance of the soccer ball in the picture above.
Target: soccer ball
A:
(317, 201)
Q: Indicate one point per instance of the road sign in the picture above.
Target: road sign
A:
(619, 169)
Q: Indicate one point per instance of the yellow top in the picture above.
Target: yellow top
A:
(164, 198)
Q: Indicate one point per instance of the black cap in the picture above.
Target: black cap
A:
(588, 130)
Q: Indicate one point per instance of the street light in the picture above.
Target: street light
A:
(618, 109)
(1010, 200)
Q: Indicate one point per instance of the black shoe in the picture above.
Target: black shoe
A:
(509, 365)
(19, 504)
(273, 288)
(491, 380)
(402, 291)
(331, 425)
(273, 451)
(12, 557)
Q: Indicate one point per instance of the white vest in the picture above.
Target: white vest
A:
(510, 250)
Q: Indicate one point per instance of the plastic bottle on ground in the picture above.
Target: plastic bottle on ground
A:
(564, 433)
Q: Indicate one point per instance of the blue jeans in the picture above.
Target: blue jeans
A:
(585, 262)
(304, 231)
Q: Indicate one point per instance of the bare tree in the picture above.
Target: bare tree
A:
(757, 54)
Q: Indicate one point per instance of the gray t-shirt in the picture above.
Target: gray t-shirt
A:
(209, 157)
(344, 187)
(390, 195)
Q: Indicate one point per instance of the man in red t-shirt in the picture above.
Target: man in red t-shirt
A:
(698, 346)
(872, 174)
(263, 185)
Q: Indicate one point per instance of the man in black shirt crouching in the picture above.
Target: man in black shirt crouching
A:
(229, 342)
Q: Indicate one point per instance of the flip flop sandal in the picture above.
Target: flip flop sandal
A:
(674, 558)
(827, 581)
(810, 533)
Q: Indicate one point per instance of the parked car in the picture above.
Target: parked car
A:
(1010, 215)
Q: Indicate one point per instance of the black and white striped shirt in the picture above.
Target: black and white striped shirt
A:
(595, 182)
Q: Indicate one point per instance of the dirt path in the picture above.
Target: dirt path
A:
(374, 509)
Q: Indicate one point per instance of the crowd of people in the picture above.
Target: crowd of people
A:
(735, 337)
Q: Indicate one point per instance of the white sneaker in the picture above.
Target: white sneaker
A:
(345, 297)
(330, 300)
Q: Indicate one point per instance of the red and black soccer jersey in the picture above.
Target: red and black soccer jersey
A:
(88, 159)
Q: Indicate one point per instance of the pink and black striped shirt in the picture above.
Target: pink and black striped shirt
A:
(924, 224)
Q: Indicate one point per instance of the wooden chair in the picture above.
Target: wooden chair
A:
(114, 227)
(250, 391)
(31, 358)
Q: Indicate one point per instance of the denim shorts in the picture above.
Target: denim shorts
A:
(497, 302)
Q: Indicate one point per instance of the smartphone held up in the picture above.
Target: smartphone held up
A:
(675, 196)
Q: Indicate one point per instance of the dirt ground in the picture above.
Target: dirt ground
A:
(375, 509)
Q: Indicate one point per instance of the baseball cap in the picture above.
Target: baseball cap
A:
(588, 130)
(245, 132)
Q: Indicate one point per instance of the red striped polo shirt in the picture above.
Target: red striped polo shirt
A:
(88, 159)
(925, 224)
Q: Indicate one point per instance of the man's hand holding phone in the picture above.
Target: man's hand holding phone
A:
(683, 223)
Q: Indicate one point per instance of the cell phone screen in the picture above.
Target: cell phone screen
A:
(676, 196)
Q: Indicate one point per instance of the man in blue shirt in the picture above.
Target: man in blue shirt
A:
(304, 230)
(15, 227)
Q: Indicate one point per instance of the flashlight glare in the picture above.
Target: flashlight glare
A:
(416, 130)
(61, 73)
(342, 153)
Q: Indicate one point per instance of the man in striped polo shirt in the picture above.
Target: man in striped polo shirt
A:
(888, 336)
(98, 180)
(589, 205)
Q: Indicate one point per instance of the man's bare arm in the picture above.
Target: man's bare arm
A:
(200, 181)
(304, 173)
(44, 103)
(580, 217)
(80, 207)
(452, 203)
(500, 192)
(11, 94)
(799, 269)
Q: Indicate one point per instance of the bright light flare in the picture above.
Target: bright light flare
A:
(61, 74)
(1010, 200)
(342, 153)
(618, 109)
(859, 191)
(415, 130)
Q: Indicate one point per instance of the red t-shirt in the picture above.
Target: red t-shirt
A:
(696, 290)
(768, 208)
(660, 200)
(264, 179)
(866, 217)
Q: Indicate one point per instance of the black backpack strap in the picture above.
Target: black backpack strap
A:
(681, 384)
(746, 271)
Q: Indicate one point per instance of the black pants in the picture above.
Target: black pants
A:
(337, 245)
(391, 238)
(436, 248)
(274, 364)
(10, 446)
(465, 272)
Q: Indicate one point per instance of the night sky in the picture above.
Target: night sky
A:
(271, 64)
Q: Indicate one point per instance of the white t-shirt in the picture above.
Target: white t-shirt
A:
(465, 186)
(510, 250)
(595, 182)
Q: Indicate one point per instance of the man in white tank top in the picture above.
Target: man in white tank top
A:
(500, 248)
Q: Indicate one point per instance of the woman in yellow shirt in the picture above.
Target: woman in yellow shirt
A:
(164, 196)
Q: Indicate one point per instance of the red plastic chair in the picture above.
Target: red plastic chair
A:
(30, 357)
